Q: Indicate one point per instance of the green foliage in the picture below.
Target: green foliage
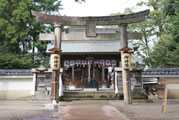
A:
(9, 60)
(171, 10)
(165, 53)
(19, 29)
(42, 57)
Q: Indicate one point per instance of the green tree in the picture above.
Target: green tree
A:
(165, 53)
(171, 11)
(19, 29)
(151, 29)
(9, 60)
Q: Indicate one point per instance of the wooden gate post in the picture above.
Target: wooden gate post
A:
(165, 98)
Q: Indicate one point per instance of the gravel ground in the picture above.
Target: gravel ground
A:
(89, 110)
(149, 111)
(18, 110)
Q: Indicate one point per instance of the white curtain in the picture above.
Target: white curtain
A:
(60, 85)
(116, 84)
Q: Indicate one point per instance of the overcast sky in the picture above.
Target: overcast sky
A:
(96, 7)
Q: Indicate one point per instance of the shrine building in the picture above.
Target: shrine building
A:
(89, 62)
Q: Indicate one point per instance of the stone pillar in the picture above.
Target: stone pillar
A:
(58, 36)
(125, 73)
(55, 73)
(34, 83)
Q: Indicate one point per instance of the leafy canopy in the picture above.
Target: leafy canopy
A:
(20, 30)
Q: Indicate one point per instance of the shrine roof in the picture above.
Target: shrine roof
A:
(15, 72)
(161, 71)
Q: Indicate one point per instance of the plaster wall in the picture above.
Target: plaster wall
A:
(15, 87)
(173, 89)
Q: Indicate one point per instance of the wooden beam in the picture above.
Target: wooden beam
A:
(103, 75)
(99, 20)
(166, 76)
(89, 72)
(82, 78)
(94, 71)
(73, 74)
(168, 82)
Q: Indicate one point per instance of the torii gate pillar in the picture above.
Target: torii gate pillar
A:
(125, 72)
(58, 36)
(56, 73)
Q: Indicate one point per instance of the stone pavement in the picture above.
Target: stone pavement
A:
(89, 110)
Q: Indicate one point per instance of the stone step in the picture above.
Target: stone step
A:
(90, 95)
(71, 99)
(40, 97)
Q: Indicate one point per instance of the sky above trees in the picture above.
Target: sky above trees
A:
(97, 7)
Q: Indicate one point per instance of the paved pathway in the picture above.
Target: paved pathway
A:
(89, 110)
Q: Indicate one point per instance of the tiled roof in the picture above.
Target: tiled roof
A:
(15, 72)
(151, 71)
(161, 71)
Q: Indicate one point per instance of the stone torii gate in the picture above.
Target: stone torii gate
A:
(91, 23)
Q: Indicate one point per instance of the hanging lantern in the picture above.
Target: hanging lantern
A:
(72, 62)
(84, 62)
(102, 62)
(108, 63)
(113, 62)
(78, 62)
(55, 61)
(126, 60)
(66, 63)
(96, 61)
